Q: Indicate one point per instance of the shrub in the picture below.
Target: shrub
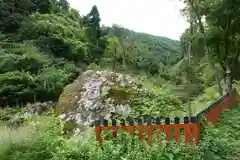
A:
(21, 87)
(41, 139)
(156, 104)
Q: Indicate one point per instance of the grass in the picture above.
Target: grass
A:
(40, 138)
(203, 101)
(9, 137)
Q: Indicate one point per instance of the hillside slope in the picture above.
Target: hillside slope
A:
(148, 49)
(46, 47)
(163, 48)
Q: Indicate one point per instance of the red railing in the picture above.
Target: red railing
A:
(191, 129)
(226, 102)
(147, 126)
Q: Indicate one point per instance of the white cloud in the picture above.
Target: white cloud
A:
(158, 17)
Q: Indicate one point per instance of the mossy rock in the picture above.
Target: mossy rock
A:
(68, 127)
(121, 95)
(70, 95)
(68, 98)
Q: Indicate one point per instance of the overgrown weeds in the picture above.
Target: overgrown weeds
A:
(40, 139)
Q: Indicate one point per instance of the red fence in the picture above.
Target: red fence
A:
(191, 125)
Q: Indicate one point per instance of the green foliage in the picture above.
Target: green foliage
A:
(41, 139)
(33, 65)
(155, 104)
(57, 34)
(121, 95)
(211, 94)
(21, 87)
(14, 12)
(92, 21)
(93, 67)
(16, 87)
(148, 53)
(113, 53)
(214, 32)
(51, 81)
(7, 113)
(24, 57)
(46, 44)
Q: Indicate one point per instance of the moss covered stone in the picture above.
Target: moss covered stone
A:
(95, 95)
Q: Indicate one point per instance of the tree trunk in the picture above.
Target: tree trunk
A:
(213, 68)
(114, 60)
(124, 59)
(229, 80)
(189, 62)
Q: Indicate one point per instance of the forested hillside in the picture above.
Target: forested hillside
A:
(159, 49)
(46, 44)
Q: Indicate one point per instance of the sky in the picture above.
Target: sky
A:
(157, 17)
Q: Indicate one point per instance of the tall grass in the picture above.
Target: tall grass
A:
(40, 139)
(9, 137)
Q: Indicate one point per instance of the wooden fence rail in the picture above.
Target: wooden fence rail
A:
(191, 125)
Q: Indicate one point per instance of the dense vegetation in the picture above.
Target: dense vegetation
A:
(214, 33)
(40, 138)
(45, 45)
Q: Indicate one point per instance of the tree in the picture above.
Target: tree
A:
(195, 13)
(224, 36)
(63, 4)
(114, 51)
(218, 22)
(94, 35)
(118, 32)
(92, 21)
(43, 6)
(12, 13)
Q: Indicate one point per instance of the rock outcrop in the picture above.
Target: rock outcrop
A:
(31, 110)
(96, 95)
(39, 108)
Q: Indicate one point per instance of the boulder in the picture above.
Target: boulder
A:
(31, 110)
(39, 108)
(96, 95)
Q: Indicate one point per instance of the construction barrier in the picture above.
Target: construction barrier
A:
(147, 125)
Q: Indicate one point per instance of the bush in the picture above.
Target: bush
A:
(21, 87)
(56, 34)
(16, 87)
(22, 57)
(41, 139)
(156, 104)
(51, 81)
